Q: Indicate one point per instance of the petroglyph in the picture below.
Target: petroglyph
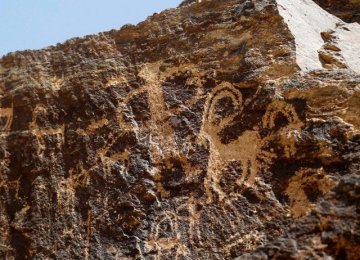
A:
(247, 148)
(135, 144)
(162, 139)
(231, 167)
(161, 242)
(303, 183)
(172, 228)
(6, 117)
(244, 158)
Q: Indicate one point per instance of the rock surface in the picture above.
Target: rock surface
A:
(347, 10)
(196, 134)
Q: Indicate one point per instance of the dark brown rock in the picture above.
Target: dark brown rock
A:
(193, 135)
(347, 10)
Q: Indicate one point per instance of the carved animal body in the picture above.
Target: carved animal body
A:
(6, 114)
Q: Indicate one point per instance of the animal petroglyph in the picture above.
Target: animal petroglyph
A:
(244, 149)
(248, 148)
(6, 117)
(195, 134)
(243, 157)
(180, 229)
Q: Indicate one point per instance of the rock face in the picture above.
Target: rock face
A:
(197, 134)
(347, 10)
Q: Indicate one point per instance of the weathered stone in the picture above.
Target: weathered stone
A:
(196, 134)
(347, 10)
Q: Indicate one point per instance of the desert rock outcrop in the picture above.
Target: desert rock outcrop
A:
(347, 10)
(208, 131)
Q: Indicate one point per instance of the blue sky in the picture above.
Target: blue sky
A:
(34, 24)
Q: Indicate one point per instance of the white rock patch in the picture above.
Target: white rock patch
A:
(349, 43)
(306, 21)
